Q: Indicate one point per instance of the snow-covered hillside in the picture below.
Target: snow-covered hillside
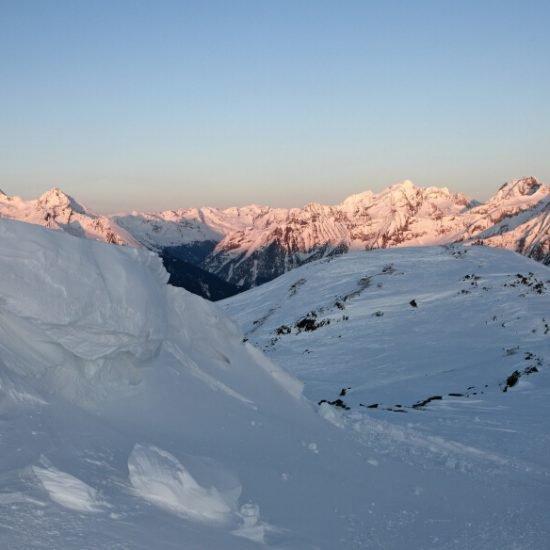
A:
(436, 357)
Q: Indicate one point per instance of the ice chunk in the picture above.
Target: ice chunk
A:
(68, 491)
(252, 528)
(209, 495)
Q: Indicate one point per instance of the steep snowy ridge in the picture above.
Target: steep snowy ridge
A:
(55, 201)
(513, 198)
(56, 210)
(517, 218)
(519, 189)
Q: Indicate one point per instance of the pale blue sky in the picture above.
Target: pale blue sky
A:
(130, 104)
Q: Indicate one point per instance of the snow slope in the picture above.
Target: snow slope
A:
(436, 357)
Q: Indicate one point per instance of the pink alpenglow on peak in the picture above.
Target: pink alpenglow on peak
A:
(56, 210)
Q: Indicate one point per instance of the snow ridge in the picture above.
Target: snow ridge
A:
(58, 211)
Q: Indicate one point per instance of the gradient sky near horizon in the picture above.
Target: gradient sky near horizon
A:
(148, 105)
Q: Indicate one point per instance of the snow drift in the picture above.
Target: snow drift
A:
(99, 359)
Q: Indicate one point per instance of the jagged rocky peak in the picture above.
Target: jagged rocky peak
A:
(55, 198)
(519, 188)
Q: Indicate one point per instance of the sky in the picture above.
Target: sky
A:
(150, 105)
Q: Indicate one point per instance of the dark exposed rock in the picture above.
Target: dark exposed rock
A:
(424, 402)
(336, 403)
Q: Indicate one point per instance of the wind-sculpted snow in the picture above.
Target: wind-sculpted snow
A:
(67, 490)
(200, 491)
(98, 357)
(160, 478)
(91, 311)
(78, 307)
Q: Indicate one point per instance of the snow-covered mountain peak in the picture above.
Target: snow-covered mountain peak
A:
(404, 185)
(59, 211)
(409, 189)
(56, 199)
(522, 187)
(357, 200)
(401, 194)
(435, 192)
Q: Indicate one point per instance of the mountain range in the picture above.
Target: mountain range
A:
(229, 250)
